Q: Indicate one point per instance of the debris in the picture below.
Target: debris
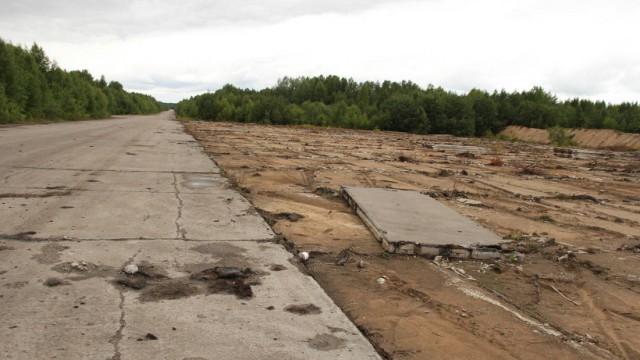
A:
(51, 282)
(445, 172)
(131, 269)
(149, 336)
(343, 257)
(277, 267)
(303, 256)
(326, 192)
(79, 266)
(466, 154)
(242, 289)
(469, 202)
(304, 309)
(293, 217)
(626, 247)
(564, 296)
(585, 197)
(238, 287)
(136, 283)
(230, 272)
(221, 272)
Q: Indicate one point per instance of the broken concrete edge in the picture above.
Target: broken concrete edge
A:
(431, 251)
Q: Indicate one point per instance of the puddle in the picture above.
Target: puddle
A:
(326, 342)
(199, 181)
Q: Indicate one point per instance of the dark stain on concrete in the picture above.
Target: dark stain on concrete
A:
(49, 254)
(326, 342)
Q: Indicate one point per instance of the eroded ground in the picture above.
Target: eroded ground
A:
(574, 293)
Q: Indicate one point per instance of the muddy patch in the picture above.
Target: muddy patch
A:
(155, 285)
(326, 342)
(237, 287)
(169, 290)
(151, 271)
(49, 254)
(304, 309)
(134, 282)
(277, 267)
(82, 270)
(229, 280)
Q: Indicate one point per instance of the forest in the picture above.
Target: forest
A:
(404, 106)
(33, 87)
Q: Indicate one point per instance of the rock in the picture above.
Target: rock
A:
(361, 264)
(381, 281)
(303, 256)
(51, 282)
(131, 269)
(469, 202)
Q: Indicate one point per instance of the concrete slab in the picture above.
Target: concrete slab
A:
(408, 222)
(89, 316)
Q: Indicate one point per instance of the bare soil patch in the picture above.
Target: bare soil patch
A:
(572, 294)
(591, 138)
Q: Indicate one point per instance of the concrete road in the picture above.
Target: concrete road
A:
(80, 201)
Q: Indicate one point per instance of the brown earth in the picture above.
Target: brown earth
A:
(577, 222)
(596, 139)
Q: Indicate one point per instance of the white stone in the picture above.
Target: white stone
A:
(131, 269)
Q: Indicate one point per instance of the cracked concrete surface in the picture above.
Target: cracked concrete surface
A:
(78, 201)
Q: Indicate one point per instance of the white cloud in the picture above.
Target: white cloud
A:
(174, 50)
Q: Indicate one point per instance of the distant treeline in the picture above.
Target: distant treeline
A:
(340, 102)
(34, 87)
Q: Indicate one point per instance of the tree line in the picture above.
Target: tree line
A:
(404, 106)
(32, 87)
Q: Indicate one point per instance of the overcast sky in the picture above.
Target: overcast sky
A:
(176, 49)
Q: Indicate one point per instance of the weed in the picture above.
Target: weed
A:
(545, 217)
(559, 137)
(496, 161)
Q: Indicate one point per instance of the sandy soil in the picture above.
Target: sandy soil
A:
(597, 139)
(574, 295)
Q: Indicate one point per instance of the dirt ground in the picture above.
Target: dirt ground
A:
(596, 139)
(571, 293)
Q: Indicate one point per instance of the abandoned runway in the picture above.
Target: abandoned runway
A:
(80, 201)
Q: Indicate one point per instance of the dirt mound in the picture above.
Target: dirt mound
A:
(597, 139)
